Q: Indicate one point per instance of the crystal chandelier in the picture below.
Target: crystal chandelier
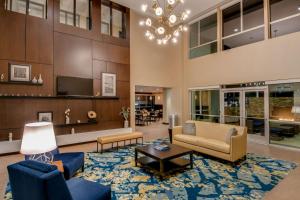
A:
(168, 22)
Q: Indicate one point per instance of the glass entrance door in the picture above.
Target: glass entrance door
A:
(256, 114)
(232, 108)
(247, 107)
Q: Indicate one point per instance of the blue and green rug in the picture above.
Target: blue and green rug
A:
(210, 178)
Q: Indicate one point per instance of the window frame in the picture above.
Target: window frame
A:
(279, 20)
(200, 90)
(75, 15)
(242, 31)
(111, 5)
(214, 12)
(27, 3)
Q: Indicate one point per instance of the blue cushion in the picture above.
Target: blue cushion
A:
(38, 166)
(82, 190)
(72, 162)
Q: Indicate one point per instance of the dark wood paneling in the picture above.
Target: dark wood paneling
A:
(12, 35)
(72, 56)
(39, 37)
(123, 89)
(55, 49)
(119, 54)
(97, 87)
(122, 70)
(39, 40)
(28, 90)
(98, 68)
(112, 53)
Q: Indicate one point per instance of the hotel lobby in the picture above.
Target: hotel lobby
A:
(149, 99)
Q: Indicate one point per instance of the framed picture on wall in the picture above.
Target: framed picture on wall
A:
(109, 84)
(45, 116)
(19, 72)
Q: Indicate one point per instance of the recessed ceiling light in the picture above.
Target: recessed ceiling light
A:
(236, 30)
(299, 8)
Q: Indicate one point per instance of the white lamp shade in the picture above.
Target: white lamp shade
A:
(296, 109)
(38, 138)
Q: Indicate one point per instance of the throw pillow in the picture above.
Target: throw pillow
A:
(231, 132)
(189, 128)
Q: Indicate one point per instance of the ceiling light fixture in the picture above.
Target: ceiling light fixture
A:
(168, 21)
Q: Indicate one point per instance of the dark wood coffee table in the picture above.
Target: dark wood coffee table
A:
(164, 162)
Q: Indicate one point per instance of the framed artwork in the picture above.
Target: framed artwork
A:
(45, 116)
(109, 84)
(19, 72)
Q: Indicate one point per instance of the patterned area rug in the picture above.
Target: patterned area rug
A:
(210, 178)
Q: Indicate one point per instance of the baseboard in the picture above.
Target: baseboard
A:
(7, 147)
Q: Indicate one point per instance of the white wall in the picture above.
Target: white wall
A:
(154, 65)
(272, 59)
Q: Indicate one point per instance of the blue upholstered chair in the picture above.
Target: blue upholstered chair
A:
(39, 181)
(72, 162)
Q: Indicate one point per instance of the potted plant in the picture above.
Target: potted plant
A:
(125, 114)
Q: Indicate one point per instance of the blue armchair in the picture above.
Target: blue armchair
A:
(39, 181)
(72, 162)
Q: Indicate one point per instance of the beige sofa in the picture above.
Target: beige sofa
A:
(212, 139)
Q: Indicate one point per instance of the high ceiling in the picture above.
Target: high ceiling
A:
(196, 6)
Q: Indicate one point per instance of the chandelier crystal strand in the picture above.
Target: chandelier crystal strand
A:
(167, 23)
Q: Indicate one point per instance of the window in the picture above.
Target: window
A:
(205, 105)
(117, 25)
(76, 13)
(105, 19)
(243, 23)
(285, 114)
(113, 20)
(284, 17)
(36, 8)
(203, 37)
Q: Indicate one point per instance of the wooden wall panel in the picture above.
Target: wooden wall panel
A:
(39, 40)
(100, 51)
(55, 49)
(72, 56)
(109, 52)
(122, 70)
(123, 89)
(119, 54)
(98, 68)
(12, 36)
(29, 90)
(97, 87)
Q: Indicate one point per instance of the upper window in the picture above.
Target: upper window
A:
(113, 20)
(284, 17)
(37, 8)
(243, 23)
(76, 13)
(203, 37)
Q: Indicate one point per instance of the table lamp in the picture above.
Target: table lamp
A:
(38, 141)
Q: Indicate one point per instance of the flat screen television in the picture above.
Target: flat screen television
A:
(73, 86)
